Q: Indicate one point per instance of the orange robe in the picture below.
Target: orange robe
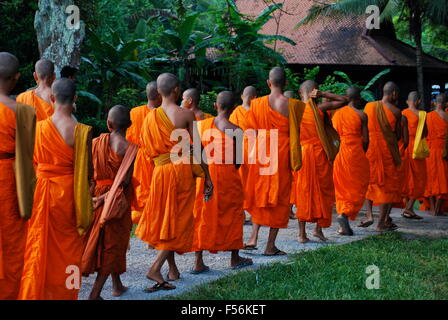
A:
(314, 195)
(384, 185)
(414, 169)
(44, 109)
(143, 166)
(219, 221)
(351, 167)
(167, 222)
(12, 226)
(437, 167)
(53, 244)
(112, 245)
(267, 196)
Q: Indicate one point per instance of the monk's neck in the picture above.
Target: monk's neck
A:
(151, 105)
(120, 133)
(223, 114)
(276, 92)
(246, 105)
(63, 110)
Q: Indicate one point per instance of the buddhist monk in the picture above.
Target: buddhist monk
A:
(271, 161)
(238, 117)
(351, 167)
(384, 156)
(437, 163)
(167, 223)
(219, 222)
(143, 166)
(62, 210)
(190, 100)
(39, 98)
(108, 239)
(414, 169)
(12, 225)
(314, 181)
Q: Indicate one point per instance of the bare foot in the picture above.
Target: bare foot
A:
(155, 276)
(117, 292)
(385, 228)
(173, 276)
(200, 269)
(320, 235)
(303, 239)
(241, 263)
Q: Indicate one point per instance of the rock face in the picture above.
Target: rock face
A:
(60, 32)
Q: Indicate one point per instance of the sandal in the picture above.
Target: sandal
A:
(250, 247)
(277, 252)
(244, 263)
(365, 224)
(160, 286)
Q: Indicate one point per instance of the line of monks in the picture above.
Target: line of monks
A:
(68, 203)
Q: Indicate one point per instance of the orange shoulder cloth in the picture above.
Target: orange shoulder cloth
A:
(296, 109)
(388, 133)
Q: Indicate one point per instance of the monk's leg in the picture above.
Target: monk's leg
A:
(271, 249)
(117, 286)
(432, 205)
(254, 236)
(292, 216)
(344, 226)
(154, 272)
(173, 272)
(100, 280)
(199, 265)
(368, 221)
(302, 232)
(439, 207)
(318, 233)
(236, 261)
(409, 210)
(384, 220)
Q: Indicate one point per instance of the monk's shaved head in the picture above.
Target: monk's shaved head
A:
(64, 91)
(353, 93)
(225, 100)
(441, 99)
(250, 92)
(44, 69)
(389, 88)
(307, 87)
(194, 94)
(277, 77)
(151, 91)
(9, 66)
(413, 96)
(166, 83)
(119, 117)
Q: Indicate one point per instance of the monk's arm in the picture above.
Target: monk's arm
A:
(402, 126)
(336, 101)
(365, 133)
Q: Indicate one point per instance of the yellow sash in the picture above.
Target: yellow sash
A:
(388, 134)
(23, 165)
(83, 199)
(327, 135)
(296, 109)
(421, 149)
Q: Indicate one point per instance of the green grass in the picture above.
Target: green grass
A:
(409, 269)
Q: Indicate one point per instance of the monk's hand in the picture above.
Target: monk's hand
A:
(208, 188)
(97, 202)
(315, 94)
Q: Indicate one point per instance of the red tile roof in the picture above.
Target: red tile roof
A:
(332, 41)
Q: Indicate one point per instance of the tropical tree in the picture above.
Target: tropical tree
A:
(414, 12)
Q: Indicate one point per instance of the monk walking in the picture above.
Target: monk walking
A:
(276, 121)
(17, 125)
(190, 100)
(39, 98)
(113, 158)
(437, 163)
(414, 169)
(384, 156)
(143, 167)
(351, 167)
(314, 181)
(219, 221)
(62, 209)
(167, 222)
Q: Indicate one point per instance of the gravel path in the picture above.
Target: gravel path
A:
(139, 257)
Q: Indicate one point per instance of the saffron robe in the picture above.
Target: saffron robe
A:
(167, 222)
(219, 221)
(44, 109)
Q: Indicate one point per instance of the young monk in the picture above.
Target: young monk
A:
(414, 169)
(62, 209)
(219, 221)
(269, 179)
(351, 167)
(314, 181)
(13, 213)
(190, 100)
(384, 156)
(167, 223)
(437, 163)
(39, 98)
(143, 166)
(113, 157)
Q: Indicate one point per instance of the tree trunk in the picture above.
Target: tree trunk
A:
(420, 71)
(58, 41)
